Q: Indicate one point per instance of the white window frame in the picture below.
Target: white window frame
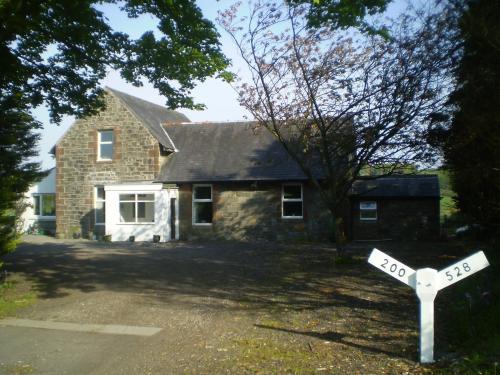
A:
(39, 196)
(136, 202)
(96, 200)
(101, 142)
(202, 201)
(283, 200)
(373, 208)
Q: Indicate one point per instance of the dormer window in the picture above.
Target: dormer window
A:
(105, 149)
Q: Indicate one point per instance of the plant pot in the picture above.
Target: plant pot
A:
(156, 238)
(131, 239)
(106, 238)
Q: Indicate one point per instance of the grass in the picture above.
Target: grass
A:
(279, 358)
(18, 369)
(473, 320)
(13, 298)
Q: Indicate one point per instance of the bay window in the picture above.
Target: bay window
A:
(137, 208)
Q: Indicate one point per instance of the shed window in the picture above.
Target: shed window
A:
(202, 204)
(292, 202)
(137, 208)
(105, 145)
(44, 204)
(368, 211)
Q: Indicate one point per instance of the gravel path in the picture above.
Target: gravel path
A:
(223, 307)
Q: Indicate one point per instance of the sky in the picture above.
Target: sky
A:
(219, 97)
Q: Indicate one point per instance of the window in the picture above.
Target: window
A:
(100, 205)
(368, 211)
(44, 204)
(105, 139)
(202, 204)
(292, 203)
(137, 208)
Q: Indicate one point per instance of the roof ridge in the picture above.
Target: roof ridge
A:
(137, 98)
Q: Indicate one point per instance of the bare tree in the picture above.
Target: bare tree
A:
(340, 101)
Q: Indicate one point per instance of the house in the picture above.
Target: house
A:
(138, 170)
(39, 215)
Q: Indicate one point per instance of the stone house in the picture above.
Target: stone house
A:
(139, 170)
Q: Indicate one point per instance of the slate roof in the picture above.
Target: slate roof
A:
(408, 186)
(231, 151)
(151, 115)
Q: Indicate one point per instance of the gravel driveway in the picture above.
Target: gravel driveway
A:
(223, 307)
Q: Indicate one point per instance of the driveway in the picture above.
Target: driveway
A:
(219, 308)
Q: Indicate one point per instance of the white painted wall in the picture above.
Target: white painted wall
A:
(142, 231)
(46, 186)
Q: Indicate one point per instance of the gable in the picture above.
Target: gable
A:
(149, 115)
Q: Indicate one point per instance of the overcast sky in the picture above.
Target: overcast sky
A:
(219, 97)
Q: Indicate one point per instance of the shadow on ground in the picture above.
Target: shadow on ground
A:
(259, 277)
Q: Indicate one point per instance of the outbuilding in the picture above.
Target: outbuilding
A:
(395, 207)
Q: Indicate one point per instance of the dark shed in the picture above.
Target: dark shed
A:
(395, 207)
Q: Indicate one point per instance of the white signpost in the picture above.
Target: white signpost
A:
(427, 282)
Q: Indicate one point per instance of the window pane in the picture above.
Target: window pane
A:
(368, 214)
(145, 197)
(203, 192)
(292, 209)
(100, 212)
(145, 212)
(106, 151)
(292, 191)
(127, 212)
(368, 205)
(101, 194)
(36, 204)
(202, 212)
(106, 136)
(48, 205)
(127, 197)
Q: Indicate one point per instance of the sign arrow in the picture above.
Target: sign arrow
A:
(392, 267)
(462, 269)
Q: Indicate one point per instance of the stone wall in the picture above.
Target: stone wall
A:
(251, 211)
(136, 158)
(400, 219)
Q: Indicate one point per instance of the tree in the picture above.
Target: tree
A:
(55, 52)
(339, 104)
(341, 14)
(472, 142)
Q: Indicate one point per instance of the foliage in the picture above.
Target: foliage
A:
(55, 52)
(17, 143)
(338, 104)
(339, 14)
(472, 142)
(472, 319)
